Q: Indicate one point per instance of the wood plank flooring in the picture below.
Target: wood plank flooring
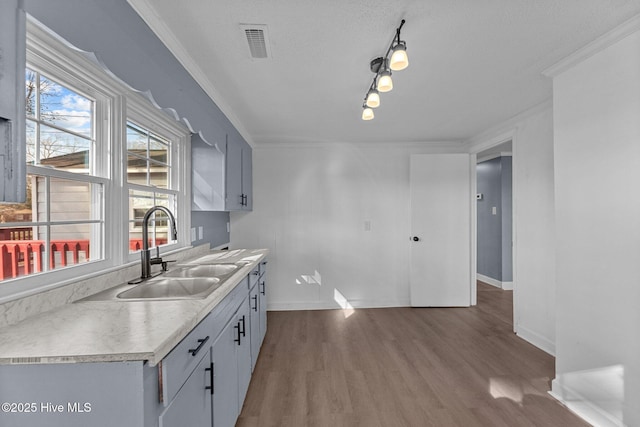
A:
(396, 367)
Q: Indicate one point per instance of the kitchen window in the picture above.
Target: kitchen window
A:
(98, 156)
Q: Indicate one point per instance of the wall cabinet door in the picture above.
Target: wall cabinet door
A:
(207, 176)
(192, 404)
(247, 178)
(238, 176)
(233, 176)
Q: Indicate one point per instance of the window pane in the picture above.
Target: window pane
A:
(139, 203)
(159, 175)
(72, 200)
(20, 253)
(136, 170)
(63, 150)
(30, 92)
(158, 150)
(31, 142)
(137, 140)
(65, 108)
(148, 157)
(72, 244)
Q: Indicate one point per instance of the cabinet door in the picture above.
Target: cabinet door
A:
(225, 376)
(247, 178)
(244, 351)
(233, 175)
(262, 299)
(192, 404)
(207, 179)
(12, 101)
(254, 307)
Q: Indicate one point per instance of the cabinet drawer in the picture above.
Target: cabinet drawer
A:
(254, 276)
(182, 360)
(262, 267)
(220, 315)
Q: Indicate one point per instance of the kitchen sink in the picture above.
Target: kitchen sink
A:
(220, 271)
(173, 288)
(186, 281)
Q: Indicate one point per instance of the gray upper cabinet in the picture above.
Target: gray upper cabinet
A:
(239, 176)
(207, 177)
(221, 181)
(234, 196)
(12, 117)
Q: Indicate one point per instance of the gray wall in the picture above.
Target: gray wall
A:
(128, 47)
(494, 231)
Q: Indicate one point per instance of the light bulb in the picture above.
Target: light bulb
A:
(399, 59)
(367, 114)
(373, 98)
(385, 84)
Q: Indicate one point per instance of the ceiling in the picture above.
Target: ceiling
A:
(473, 63)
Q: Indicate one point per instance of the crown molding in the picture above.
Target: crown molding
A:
(599, 44)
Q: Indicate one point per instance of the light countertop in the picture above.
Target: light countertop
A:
(117, 330)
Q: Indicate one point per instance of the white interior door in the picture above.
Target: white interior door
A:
(441, 230)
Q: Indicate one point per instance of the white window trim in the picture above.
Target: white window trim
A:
(47, 52)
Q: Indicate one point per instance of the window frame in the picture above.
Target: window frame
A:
(55, 58)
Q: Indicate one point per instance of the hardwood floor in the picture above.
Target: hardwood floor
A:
(403, 367)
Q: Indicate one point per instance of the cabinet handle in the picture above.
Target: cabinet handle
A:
(255, 298)
(244, 327)
(264, 262)
(238, 340)
(211, 375)
(255, 273)
(262, 291)
(201, 342)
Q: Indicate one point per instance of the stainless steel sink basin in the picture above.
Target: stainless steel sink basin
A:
(207, 270)
(186, 281)
(173, 288)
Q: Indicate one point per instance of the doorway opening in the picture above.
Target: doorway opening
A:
(494, 217)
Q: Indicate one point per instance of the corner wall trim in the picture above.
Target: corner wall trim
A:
(581, 406)
(534, 338)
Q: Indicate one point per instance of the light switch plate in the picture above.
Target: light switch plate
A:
(193, 234)
(201, 232)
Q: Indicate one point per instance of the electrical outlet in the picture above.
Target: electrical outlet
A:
(201, 232)
(193, 234)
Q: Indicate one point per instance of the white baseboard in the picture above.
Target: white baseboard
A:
(332, 305)
(543, 343)
(507, 286)
(582, 407)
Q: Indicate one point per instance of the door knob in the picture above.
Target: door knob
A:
(415, 238)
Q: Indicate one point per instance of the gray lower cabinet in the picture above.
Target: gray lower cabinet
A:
(262, 298)
(192, 404)
(225, 376)
(254, 303)
(202, 382)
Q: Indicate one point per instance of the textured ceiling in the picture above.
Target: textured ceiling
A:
(473, 63)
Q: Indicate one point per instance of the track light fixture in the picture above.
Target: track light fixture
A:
(382, 67)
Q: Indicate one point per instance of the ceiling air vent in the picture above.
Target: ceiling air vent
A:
(257, 40)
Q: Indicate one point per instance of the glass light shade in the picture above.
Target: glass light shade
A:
(373, 98)
(385, 84)
(367, 114)
(399, 59)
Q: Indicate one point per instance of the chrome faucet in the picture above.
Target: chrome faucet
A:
(145, 255)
